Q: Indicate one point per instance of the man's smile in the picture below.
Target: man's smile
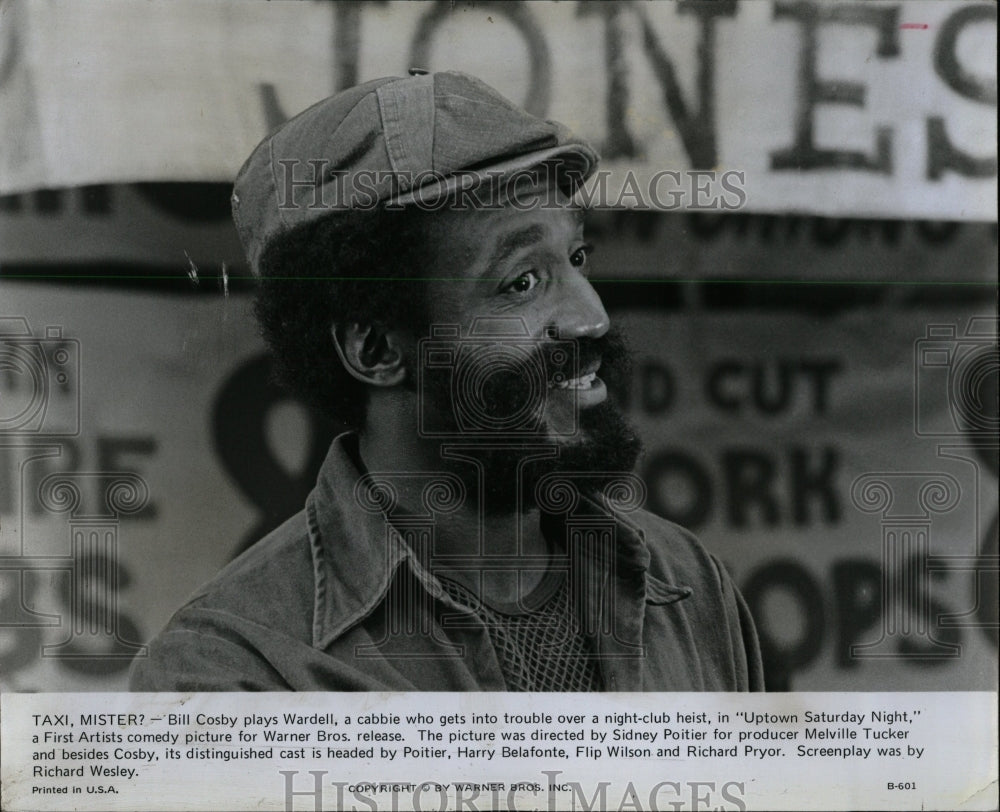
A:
(583, 382)
(590, 389)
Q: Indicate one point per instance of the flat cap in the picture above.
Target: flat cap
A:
(402, 140)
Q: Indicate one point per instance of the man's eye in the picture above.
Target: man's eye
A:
(579, 257)
(524, 283)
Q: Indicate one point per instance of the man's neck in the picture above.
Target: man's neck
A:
(498, 552)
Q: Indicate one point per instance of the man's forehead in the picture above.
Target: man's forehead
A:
(461, 238)
(499, 221)
(540, 222)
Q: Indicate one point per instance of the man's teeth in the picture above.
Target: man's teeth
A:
(583, 382)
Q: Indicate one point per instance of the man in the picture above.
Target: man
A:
(424, 277)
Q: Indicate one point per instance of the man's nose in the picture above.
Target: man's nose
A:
(580, 311)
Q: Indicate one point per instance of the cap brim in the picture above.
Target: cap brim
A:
(569, 164)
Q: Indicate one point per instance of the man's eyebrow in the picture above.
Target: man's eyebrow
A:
(511, 242)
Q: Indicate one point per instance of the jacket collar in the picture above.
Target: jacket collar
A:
(356, 552)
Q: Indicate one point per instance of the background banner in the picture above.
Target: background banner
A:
(155, 231)
(814, 392)
(878, 109)
(797, 232)
(144, 447)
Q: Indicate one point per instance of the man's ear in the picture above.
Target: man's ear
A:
(371, 353)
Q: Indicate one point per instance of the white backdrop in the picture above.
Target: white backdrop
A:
(869, 108)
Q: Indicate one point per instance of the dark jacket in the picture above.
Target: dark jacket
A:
(336, 600)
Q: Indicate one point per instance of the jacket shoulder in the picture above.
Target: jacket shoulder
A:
(212, 642)
(280, 564)
(676, 554)
(716, 606)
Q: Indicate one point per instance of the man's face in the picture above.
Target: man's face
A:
(533, 344)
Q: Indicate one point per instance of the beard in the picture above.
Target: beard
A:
(508, 447)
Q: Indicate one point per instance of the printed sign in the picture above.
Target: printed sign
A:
(140, 455)
(864, 108)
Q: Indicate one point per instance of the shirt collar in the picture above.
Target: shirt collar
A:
(356, 551)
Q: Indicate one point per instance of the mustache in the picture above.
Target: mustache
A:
(506, 387)
(610, 350)
(507, 380)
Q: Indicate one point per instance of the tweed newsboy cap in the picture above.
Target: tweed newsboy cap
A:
(399, 140)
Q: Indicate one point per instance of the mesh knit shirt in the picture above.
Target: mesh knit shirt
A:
(540, 646)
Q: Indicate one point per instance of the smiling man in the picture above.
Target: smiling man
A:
(424, 278)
